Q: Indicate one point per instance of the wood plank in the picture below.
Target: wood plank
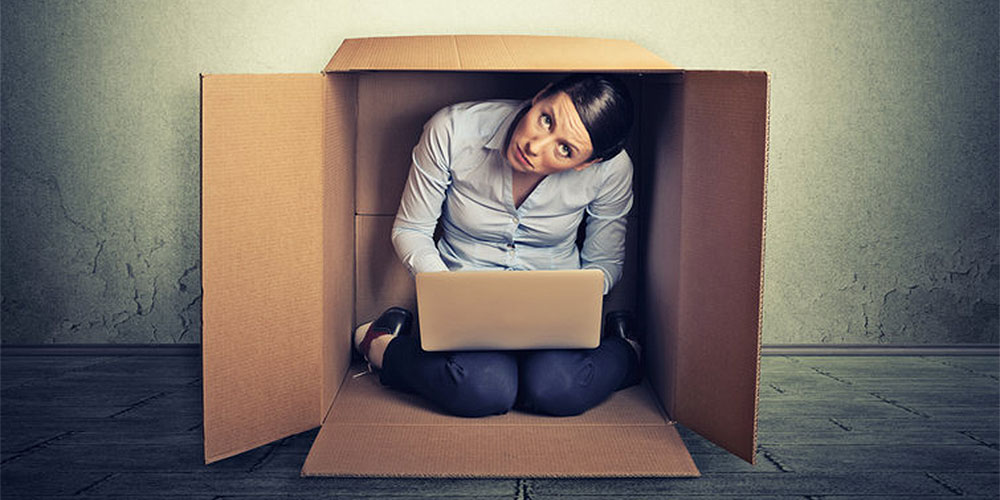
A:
(969, 484)
(869, 408)
(886, 495)
(267, 484)
(980, 364)
(35, 483)
(881, 458)
(111, 457)
(748, 485)
(54, 394)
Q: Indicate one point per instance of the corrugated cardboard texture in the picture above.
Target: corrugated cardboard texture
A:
(262, 258)
(660, 229)
(492, 53)
(382, 279)
(339, 126)
(375, 431)
(718, 341)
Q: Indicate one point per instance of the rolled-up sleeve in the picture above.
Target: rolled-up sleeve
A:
(425, 191)
(604, 243)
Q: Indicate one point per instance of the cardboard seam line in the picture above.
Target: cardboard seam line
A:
(458, 53)
(480, 425)
(567, 475)
(506, 49)
(679, 306)
(256, 444)
(763, 245)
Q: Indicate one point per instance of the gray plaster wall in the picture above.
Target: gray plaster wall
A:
(882, 216)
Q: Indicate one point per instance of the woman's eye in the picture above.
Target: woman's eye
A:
(546, 121)
(564, 150)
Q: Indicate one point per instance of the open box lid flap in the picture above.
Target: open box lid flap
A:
(492, 53)
(717, 348)
(262, 258)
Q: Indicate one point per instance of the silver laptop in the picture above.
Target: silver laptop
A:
(504, 310)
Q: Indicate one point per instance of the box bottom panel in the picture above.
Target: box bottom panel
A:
(375, 431)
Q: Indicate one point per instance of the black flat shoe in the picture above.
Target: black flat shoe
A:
(394, 321)
(620, 324)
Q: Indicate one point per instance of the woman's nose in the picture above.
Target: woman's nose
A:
(533, 146)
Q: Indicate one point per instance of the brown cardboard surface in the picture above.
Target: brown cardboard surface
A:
(493, 53)
(375, 431)
(717, 348)
(262, 258)
(660, 228)
(339, 137)
(382, 280)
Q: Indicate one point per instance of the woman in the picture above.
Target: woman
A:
(511, 182)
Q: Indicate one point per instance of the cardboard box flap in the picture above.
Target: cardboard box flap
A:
(262, 258)
(374, 431)
(492, 53)
(717, 347)
(339, 152)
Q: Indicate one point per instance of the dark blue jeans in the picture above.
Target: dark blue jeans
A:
(478, 383)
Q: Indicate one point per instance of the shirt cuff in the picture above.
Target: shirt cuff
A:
(607, 276)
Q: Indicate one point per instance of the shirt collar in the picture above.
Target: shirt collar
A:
(500, 134)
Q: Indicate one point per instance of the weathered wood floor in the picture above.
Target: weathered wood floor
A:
(86, 427)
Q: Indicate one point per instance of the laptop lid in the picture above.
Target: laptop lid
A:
(504, 310)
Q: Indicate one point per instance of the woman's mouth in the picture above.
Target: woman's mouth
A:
(523, 158)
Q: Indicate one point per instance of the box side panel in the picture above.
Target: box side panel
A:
(718, 341)
(382, 280)
(373, 431)
(262, 258)
(339, 137)
(659, 223)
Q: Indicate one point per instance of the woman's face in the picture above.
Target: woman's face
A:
(550, 138)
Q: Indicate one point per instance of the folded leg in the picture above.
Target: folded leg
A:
(467, 384)
(571, 381)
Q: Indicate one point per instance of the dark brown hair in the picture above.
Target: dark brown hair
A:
(605, 108)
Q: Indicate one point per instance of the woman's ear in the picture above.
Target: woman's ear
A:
(538, 96)
(586, 164)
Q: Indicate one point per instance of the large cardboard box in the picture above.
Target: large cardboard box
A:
(301, 178)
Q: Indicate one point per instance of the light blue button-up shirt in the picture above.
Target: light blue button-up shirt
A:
(460, 175)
